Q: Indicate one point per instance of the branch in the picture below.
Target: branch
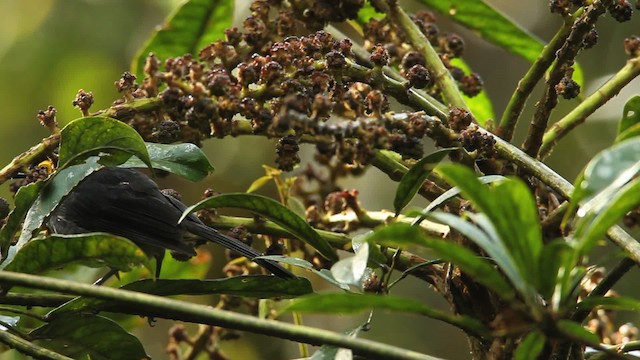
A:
(28, 348)
(28, 157)
(442, 76)
(579, 114)
(432, 274)
(526, 85)
(183, 311)
(564, 59)
(564, 188)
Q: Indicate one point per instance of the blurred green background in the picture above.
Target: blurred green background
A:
(51, 48)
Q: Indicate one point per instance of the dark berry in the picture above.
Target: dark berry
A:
(379, 55)
(418, 76)
(459, 119)
(471, 84)
(620, 10)
(568, 88)
(336, 60)
(591, 39)
(287, 153)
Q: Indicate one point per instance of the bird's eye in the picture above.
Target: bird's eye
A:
(124, 183)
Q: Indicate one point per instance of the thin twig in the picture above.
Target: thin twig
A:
(592, 103)
(564, 60)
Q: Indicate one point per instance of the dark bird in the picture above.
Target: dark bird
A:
(127, 203)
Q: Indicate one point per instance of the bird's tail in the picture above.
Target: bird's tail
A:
(237, 246)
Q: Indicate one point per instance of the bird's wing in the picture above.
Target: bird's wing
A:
(126, 203)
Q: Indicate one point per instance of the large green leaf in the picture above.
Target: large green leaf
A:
(403, 235)
(93, 249)
(187, 30)
(595, 219)
(613, 166)
(328, 352)
(340, 303)
(511, 209)
(556, 262)
(530, 347)
(610, 303)
(488, 240)
(49, 197)
(254, 286)
(84, 335)
(111, 139)
(185, 160)
(413, 179)
(24, 199)
(273, 211)
(454, 191)
(576, 331)
(491, 25)
(351, 270)
(630, 118)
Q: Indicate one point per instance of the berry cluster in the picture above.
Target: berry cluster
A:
(384, 34)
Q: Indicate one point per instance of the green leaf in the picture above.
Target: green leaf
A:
(294, 261)
(630, 116)
(50, 195)
(351, 270)
(185, 160)
(82, 335)
(258, 183)
(93, 249)
(577, 331)
(480, 105)
(456, 190)
(111, 139)
(367, 12)
(530, 347)
(594, 220)
(415, 177)
(631, 132)
(25, 197)
(491, 25)
(273, 211)
(253, 286)
(556, 255)
(187, 30)
(376, 257)
(511, 210)
(488, 240)
(400, 234)
(349, 303)
(328, 352)
(610, 303)
(618, 163)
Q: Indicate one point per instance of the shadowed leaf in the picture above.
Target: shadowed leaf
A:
(84, 335)
(415, 177)
(271, 210)
(185, 160)
(253, 286)
(93, 249)
(111, 139)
